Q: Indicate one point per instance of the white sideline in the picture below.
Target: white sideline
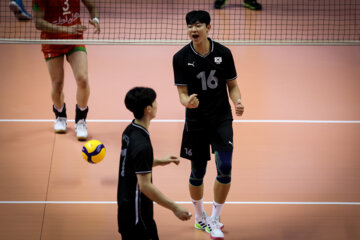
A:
(181, 120)
(184, 202)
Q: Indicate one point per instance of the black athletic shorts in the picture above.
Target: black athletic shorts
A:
(196, 141)
(140, 232)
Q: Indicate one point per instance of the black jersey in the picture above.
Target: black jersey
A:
(207, 77)
(136, 158)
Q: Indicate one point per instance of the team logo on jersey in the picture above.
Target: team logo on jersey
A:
(218, 60)
(67, 19)
(191, 64)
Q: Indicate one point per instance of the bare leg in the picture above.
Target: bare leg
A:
(56, 70)
(79, 65)
(220, 192)
(196, 193)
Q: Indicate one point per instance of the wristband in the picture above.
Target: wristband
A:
(95, 19)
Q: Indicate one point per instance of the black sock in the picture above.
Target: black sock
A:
(60, 114)
(80, 114)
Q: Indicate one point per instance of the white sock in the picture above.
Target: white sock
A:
(83, 109)
(199, 207)
(216, 211)
(61, 109)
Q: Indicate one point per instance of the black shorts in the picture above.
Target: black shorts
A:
(140, 232)
(196, 141)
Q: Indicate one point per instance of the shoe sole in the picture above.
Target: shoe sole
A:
(199, 228)
(205, 229)
(216, 238)
(60, 131)
(82, 138)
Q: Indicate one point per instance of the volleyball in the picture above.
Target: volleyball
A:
(93, 151)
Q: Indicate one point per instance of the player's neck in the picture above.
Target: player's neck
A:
(203, 47)
(144, 122)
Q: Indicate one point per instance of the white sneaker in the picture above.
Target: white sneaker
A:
(219, 224)
(60, 125)
(215, 231)
(17, 7)
(201, 222)
(81, 130)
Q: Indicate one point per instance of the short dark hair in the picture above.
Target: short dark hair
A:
(198, 16)
(138, 98)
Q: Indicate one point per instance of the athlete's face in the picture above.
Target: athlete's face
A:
(198, 32)
(153, 109)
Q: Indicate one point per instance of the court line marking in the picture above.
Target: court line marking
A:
(184, 202)
(181, 120)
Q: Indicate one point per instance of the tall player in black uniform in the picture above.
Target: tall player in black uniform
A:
(136, 192)
(204, 71)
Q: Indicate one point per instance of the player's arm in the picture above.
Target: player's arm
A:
(165, 161)
(181, 82)
(45, 26)
(187, 101)
(94, 14)
(154, 194)
(235, 96)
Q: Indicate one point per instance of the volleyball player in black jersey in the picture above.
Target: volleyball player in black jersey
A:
(136, 192)
(204, 72)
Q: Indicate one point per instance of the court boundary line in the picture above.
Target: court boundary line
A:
(185, 202)
(181, 121)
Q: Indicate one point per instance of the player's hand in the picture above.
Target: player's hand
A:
(181, 213)
(171, 159)
(167, 160)
(77, 29)
(193, 101)
(239, 108)
(96, 24)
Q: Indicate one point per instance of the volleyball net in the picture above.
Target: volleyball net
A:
(294, 22)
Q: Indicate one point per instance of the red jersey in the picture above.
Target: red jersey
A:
(59, 12)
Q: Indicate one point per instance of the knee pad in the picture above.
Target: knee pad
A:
(198, 170)
(223, 165)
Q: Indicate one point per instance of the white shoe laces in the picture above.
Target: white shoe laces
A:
(60, 122)
(81, 125)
